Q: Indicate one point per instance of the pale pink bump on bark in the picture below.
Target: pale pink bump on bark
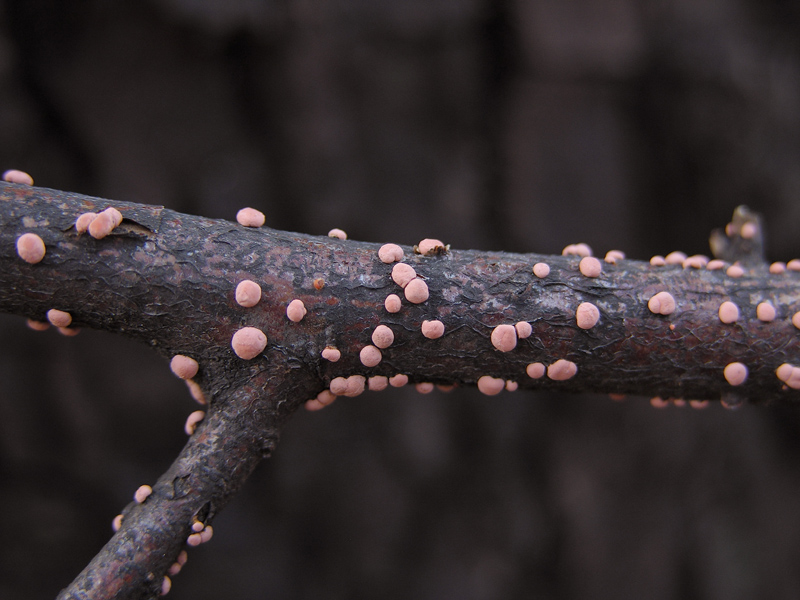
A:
(37, 325)
(84, 220)
(430, 246)
(432, 329)
(194, 540)
(748, 230)
(198, 526)
(734, 271)
(735, 373)
(612, 256)
(370, 356)
(524, 329)
(68, 331)
(195, 391)
(541, 270)
(793, 265)
(657, 261)
(698, 404)
(332, 354)
(251, 217)
(383, 336)
(296, 311)
(337, 233)
(403, 274)
(675, 258)
(389, 253)
(102, 225)
(338, 386)
(789, 374)
(193, 420)
(206, 534)
(248, 293)
(491, 386)
(590, 266)
(728, 312)
(696, 261)
(142, 493)
(355, 385)
(561, 370)
(314, 404)
(166, 585)
(446, 387)
(248, 342)
(796, 320)
(535, 370)
(587, 315)
(777, 268)
(511, 386)
(377, 383)
(398, 380)
(30, 248)
(392, 303)
(116, 216)
(715, 265)
(17, 176)
(59, 318)
(577, 250)
(416, 291)
(184, 366)
(504, 338)
(424, 388)
(325, 397)
(116, 523)
(766, 312)
(662, 303)
(658, 402)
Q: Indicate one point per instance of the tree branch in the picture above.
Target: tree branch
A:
(170, 280)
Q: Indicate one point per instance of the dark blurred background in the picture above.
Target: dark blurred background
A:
(511, 124)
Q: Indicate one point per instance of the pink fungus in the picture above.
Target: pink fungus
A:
(248, 293)
(445, 387)
(195, 391)
(392, 303)
(491, 386)
(59, 318)
(590, 266)
(587, 315)
(796, 319)
(511, 386)
(416, 291)
(734, 271)
(675, 258)
(777, 268)
(370, 356)
(355, 385)
(339, 386)
(314, 404)
(296, 311)
(325, 397)
(698, 404)
(504, 338)
(248, 342)
(206, 534)
(662, 303)
(116, 216)
(402, 274)
(102, 225)
(69, 332)
(429, 247)
(142, 493)
(377, 383)
(193, 420)
(789, 374)
(728, 312)
(15, 176)
(657, 261)
(612, 256)
(116, 523)
(432, 329)
(793, 265)
(337, 233)
(166, 585)
(194, 540)
(617, 397)
(715, 265)
(197, 526)
(398, 380)
(562, 370)
(535, 370)
(390, 253)
(749, 230)
(577, 250)
(382, 337)
(524, 329)
(424, 388)
(697, 261)
(183, 366)
(735, 373)
(37, 325)
(659, 402)
(83, 221)
(319, 283)
(332, 354)
(251, 217)
(541, 270)
(30, 248)
(766, 312)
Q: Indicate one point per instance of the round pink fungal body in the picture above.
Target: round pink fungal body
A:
(296, 311)
(116, 216)
(337, 233)
(69, 332)
(735, 373)
(612, 256)
(416, 291)
(796, 319)
(102, 225)
(142, 493)
(777, 268)
(524, 329)
(675, 258)
(734, 271)
(16, 176)
(370, 356)
(30, 248)
(424, 388)
(392, 303)
(535, 370)
(511, 386)
(430, 246)
(590, 266)
(332, 354)
(504, 338)
(166, 585)
(697, 261)
(59, 318)
(251, 217)
(793, 265)
(383, 336)
(195, 391)
(657, 261)
(184, 366)
(377, 383)
(587, 315)
(390, 253)
(192, 421)
(748, 230)
(491, 386)
(577, 250)
(562, 370)
(403, 274)
(248, 342)
(662, 303)
(728, 312)
(541, 270)
(83, 221)
(248, 293)
(325, 397)
(398, 380)
(766, 312)
(355, 385)
(338, 386)
(37, 325)
(432, 329)
(116, 523)
(715, 265)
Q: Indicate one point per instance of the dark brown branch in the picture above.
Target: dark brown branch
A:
(168, 280)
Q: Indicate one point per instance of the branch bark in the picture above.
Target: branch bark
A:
(169, 280)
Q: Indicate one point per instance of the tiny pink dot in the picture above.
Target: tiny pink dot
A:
(430, 246)
(248, 293)
(184, 366)
(392, 303)
(398, 380)
(535, 370)
(432, 329)
(390, 253)
(728, 312)
(248, 342)
(370, 356)
(383, 336)
(16, 176)
(658, 402)
(562, 370)
(424, 388)
(587, 315)
(59, 318)
(416, 291)
(296, 311)
(504, 338)
(491, 386)
(735, 373)
(524, 329)
(251, 217)
(403, 273)
(541, 270)
(590, 266)
(30, 248)
(332, 354)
